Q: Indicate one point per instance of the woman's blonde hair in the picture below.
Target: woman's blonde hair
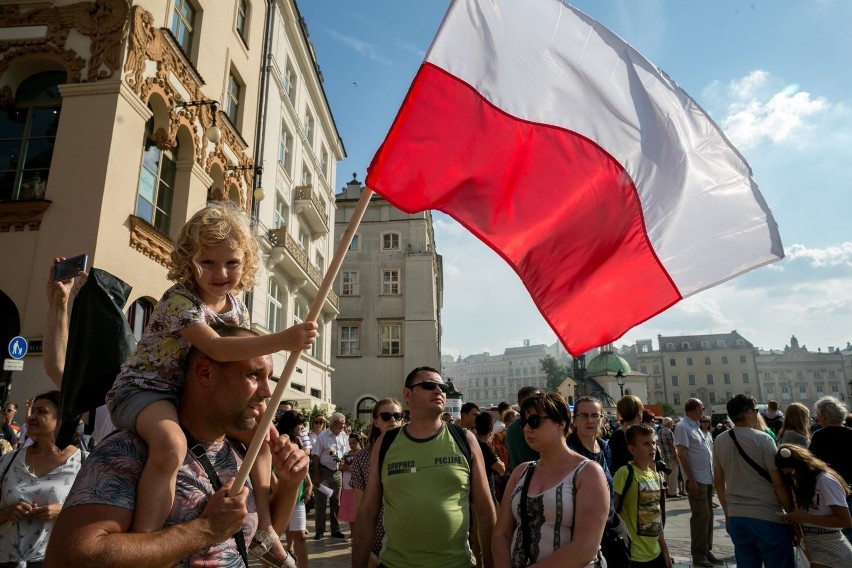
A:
(797, 418)
(207, 228)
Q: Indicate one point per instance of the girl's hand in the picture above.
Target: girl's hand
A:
(299, 337)
(795, 516)
(17, 512)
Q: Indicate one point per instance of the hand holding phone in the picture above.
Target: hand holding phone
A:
(68, 268)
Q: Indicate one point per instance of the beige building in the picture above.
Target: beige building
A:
(112, 140)
(490, 379)
(798, 375)
(712, 368)
(391, 292)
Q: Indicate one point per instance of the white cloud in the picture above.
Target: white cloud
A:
(840, 255)
(360, 46)
(747, 88)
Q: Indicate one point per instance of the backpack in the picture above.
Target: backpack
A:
(457, 432)
(616, 541)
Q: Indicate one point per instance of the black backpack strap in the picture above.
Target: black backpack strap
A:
(763, 473)
(388, 439)
(459, 434)
(627, 485)
(526, 538)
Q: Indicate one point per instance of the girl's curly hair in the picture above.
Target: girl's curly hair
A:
(207, 228)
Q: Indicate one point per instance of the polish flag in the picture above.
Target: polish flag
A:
(595, 176)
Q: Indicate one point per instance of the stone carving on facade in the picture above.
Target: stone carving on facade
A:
(104, 22)
(149, 241)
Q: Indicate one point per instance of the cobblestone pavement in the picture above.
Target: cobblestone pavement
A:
(333, 553)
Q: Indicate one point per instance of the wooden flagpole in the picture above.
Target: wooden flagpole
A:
(292, 361)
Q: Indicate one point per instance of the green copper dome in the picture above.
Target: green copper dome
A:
(607, 362)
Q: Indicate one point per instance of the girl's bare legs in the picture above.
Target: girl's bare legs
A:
(158, 426)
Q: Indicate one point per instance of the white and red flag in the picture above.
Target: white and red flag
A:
(601, 182)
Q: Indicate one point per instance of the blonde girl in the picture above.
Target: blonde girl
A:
(796, 426)
(215, 257)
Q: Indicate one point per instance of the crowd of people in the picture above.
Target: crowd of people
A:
(419, 488)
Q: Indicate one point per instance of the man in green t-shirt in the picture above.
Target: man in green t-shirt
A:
(429, 486)
(516, 444)
(640, 501)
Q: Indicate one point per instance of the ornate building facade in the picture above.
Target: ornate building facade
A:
(119, 120)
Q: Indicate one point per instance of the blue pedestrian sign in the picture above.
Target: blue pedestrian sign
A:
(18, 347)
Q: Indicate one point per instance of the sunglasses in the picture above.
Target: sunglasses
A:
(387, 416)
(533, 420)
(8, 410)
(319, 421)
(430, 386)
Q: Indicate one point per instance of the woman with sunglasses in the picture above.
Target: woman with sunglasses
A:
(387, 415)
(821, 509)
(318, 424)
(553, 507)
(35, 482)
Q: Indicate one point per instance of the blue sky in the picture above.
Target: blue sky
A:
(773, 74)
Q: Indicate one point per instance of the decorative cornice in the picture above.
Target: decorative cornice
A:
(86, 89)
(17, 215)
(149, 241)
(104, 22)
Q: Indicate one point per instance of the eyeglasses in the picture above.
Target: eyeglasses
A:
(319, 421)
(8, 410)
(430, 386)
(587, 416)
(533, 420)
(387, 416)
(705, 421)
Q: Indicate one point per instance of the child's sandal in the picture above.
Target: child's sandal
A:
(261, 548)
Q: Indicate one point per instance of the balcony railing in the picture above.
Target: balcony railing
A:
(309, 204)
(281, 237)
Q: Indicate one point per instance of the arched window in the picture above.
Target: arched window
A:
(27, 137)
(365, 410)
(156, 183)
(138, 315)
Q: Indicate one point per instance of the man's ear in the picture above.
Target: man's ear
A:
(204, 371)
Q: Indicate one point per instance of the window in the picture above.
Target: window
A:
(803, 392)
(298, 387)
(819, 390)
(800, 374)
(712, 396)
(730, 394)
(319, 261)
(691, 379)
(390, 241)
(349, 283)
(674, 380)
(656, 368)
(672, 363)
(742, 358)
(300, 312)
(316, 346)
(693, 394)
(669, 345)
(138, 315)
(274, 307)
(707, 360)
(745, 378)
(740, 342)
(232, 100)
(307, 177)
(817, 375)
(676, 398)
(727, 378)
(349, 343)
(832, 374)
(390, 281)
(709, 378)
(183, 25)
(642, 369)
(720, 343)
(835, 389)
(324, 162)
(316, 393)
(304, 237)
(785, 393)
(724, 360)
(769, 395)
(309, 128)
(27, 137)
(156, 183)
(290, 81)
(391, 339)
(279, 216)
(689, 361)
(356, 243)
(705, 344)
(684, 345)
(364, 410)
(285, 149)
(242, 20)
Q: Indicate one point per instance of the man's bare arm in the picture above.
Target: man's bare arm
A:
(364, 530)
(483, 505)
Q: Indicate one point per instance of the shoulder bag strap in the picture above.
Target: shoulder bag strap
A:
(200, 453)
(763, 473)
(8, 465)
(627, 485)
(526, 538)
(574, 494)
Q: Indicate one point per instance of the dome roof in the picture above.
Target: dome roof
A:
(607, 362)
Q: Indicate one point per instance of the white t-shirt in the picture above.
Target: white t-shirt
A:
(828, 492)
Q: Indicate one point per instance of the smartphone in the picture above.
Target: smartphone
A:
(68, 268)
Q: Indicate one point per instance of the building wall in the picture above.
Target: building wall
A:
(362, 370)
(118, 75)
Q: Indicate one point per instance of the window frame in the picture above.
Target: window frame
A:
(285, 149)
(390, 326)
(391, 284)
(160, 217)
(353, 344)
(350, 287)
(393, 244)
(274, 306)
(186, 41)
(241, 20)
(233, 104)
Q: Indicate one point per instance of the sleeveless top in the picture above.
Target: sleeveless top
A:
(550, 517)
(426, 497)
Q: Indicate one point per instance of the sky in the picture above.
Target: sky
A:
(774, 74)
